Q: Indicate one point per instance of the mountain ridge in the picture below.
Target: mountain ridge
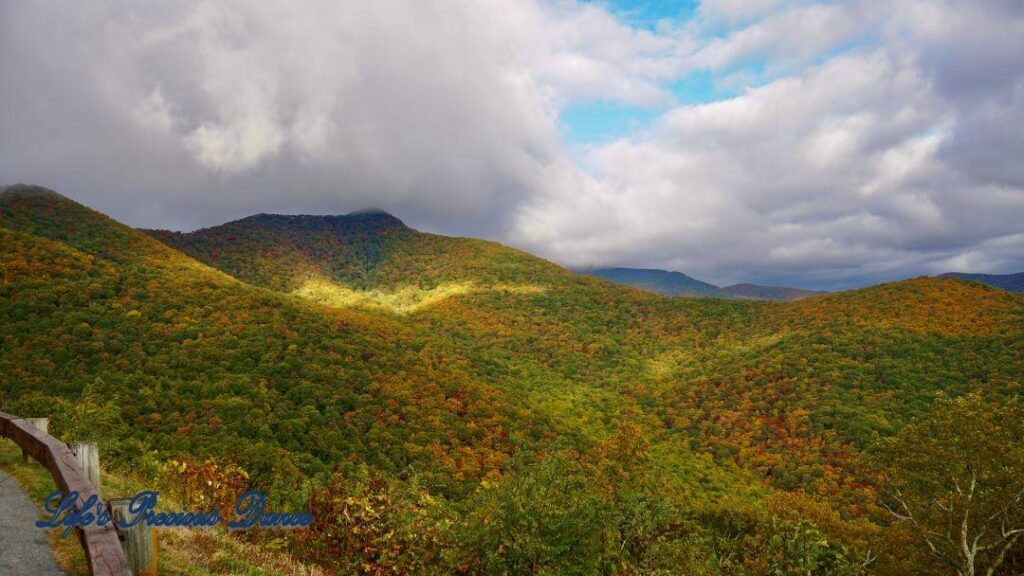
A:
(665, 282)
(362, 250)
(1011, 282)
(381, 217)
(763, 292)
(672, 283)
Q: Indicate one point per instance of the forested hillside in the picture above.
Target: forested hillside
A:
(170, 349)
(362, 250)
(452, 405)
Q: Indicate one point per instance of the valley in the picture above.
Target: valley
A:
(470, 408)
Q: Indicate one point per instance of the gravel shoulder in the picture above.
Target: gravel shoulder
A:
(24, 549)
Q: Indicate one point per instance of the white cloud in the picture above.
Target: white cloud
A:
(833, 174)
(155, 112)
(894, 157)
(733, 11)
(786, 39)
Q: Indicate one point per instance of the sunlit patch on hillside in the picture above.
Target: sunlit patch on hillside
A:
(690, 363)
(402, 300)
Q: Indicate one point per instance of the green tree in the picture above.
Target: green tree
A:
(956, 477)
(543, 521)
(803, 550)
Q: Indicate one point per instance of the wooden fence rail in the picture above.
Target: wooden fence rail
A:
(101, 543)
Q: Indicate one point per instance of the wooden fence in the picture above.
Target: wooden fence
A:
(101, 543)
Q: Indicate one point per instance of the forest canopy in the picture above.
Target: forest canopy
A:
(448, 405)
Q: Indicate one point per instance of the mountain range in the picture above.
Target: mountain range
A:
(1011, 282)
(452, 405)
(671, 283)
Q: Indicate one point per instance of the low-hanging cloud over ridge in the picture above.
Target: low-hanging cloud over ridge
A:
(850, 142)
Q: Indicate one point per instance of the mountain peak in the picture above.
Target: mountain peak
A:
(371, 211)
(282, 250)
(20, 190)
(42, 212)
(373, 217)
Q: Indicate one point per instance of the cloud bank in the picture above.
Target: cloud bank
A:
(848, 142)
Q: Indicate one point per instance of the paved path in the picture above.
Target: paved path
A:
(24, 550)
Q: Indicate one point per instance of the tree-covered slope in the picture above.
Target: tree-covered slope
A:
(458, 395)
(160, 357)
(189, 360)
(44, 213)
(798, 391)
(791, 391)
(362, 250)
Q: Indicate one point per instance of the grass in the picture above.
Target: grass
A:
(181, 552)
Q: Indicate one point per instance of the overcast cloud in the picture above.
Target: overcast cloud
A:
(852, 142)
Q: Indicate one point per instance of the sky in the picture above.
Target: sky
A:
(818, 144)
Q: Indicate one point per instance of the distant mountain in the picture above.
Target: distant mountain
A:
(671, 283)
(778, 293)
(659, 281)
(1011, 282)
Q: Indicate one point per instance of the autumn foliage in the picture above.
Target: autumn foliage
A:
(450, 405)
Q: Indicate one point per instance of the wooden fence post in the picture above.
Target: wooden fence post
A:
(138, 541)
(88, 456)
(104, 555)
(42, 424)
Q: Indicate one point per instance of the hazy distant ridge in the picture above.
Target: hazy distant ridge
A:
(671, 283)
(1011, 282)
(659, 281)
(759, 292)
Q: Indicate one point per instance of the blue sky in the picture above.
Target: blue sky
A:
(648, 13)
(595, 121)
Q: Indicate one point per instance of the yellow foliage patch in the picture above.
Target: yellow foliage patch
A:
(402, 300)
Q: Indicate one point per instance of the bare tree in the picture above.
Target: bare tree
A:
(956, 477)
